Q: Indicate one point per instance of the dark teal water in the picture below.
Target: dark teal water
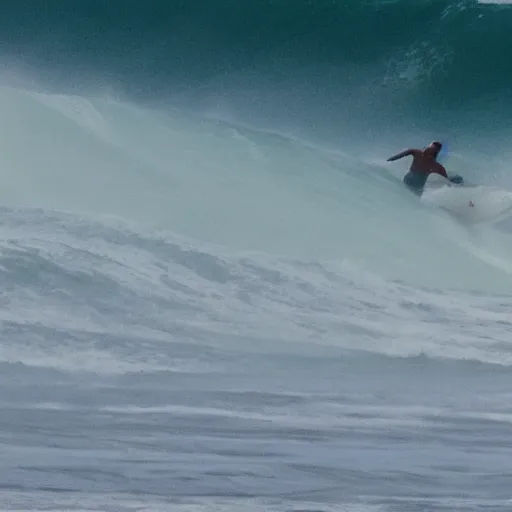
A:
(438, 64)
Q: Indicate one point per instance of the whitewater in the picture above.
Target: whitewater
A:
(198, 315)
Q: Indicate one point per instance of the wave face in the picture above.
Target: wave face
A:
(242, 188)
(319, 64)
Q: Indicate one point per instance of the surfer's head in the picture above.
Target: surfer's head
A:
(433, 149)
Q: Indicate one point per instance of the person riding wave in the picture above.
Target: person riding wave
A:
(424, 163)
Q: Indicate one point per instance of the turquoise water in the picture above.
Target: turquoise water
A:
(316, 66)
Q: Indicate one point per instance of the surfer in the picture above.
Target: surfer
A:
(424, 163)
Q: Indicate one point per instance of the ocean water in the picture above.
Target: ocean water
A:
(216, 293)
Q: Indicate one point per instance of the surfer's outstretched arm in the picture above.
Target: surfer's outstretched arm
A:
(407, 152)
(442, 171)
